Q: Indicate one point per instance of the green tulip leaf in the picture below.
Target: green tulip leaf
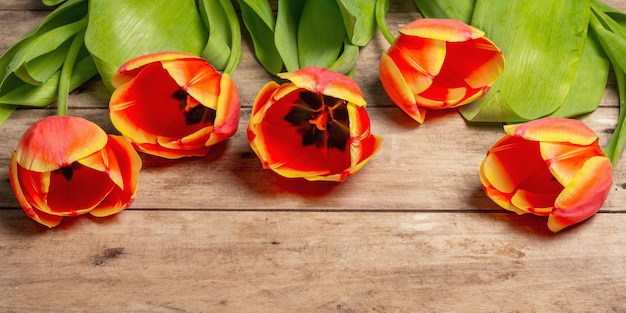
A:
(35, 43)
(16, 92)
(52, 2)
(236, 53)
(217, 49)
(320, 33)
(286, 32)
(39, 70)
(5, 112)
(346, 62)
(542, 57)
(223, 48)
(30, 69)
(120, 30)
(359, 20)
(259, 20)
(593, 67)
(456, 9)
(45, 54)
(610, 27)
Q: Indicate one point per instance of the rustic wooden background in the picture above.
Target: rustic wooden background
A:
(411, 232)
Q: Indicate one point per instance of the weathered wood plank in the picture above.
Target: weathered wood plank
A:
(166, 261)
(429, 167)
(22, 5)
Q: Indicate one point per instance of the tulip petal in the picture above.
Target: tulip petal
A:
(57, 141)
(441, 29)
(198, 78)
(553, 129)
(536, 193)
(143, 112)
(585, 194)
(41, 217)
(76, 193)
(439, 97)
(398, 90)
(129, 165)
(478, 63)
(262, 99)
(227, 115)
(133, 66)
(501, 165)
(419, 60)
(502, 199)
(323, 81)
(565, 159)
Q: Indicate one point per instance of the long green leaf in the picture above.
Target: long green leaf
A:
(119, 30)
(320, 33)
(346, 62)
(542, 56)
(223, 48)
(590, 83)
(236, 53)
(259, 20)
(46, 53)
(70, 12)
(30, 69)
(286, 31)
(17, 92)
(610, 26)
(359, 20)
(217, 49)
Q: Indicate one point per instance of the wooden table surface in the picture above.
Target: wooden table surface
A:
(411, 232)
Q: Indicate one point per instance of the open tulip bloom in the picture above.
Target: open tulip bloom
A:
(314, 127)
(438, 64)
(173, 104)
(548, 167)
(68, 166)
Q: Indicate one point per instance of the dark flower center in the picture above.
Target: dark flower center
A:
(68, 170)
(321, 120)
(194, 112)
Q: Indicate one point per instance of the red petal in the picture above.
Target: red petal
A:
(566, 159)
(128, 165)
(132, 67)
(78, 195)
(441, 29)
(32, 212)
(553, 129)
(398, 90)
(58, 141)
(585, 194)
(323, 81)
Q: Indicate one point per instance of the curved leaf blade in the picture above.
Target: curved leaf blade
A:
(119, 30)
(259, 20)
(320, 33)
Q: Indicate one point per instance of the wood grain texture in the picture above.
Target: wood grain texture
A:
(411, 232)
(171, 261)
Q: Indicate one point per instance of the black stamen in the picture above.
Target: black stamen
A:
(67, 171)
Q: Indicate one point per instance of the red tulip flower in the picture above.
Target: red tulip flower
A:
(438, 64)
(314, 127)
(549, 167)
(68, 166)
(173, 104)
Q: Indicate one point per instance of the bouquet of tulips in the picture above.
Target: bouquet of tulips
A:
(168, 67)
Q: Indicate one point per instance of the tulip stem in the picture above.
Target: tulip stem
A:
(381, 10)
(65, 78)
